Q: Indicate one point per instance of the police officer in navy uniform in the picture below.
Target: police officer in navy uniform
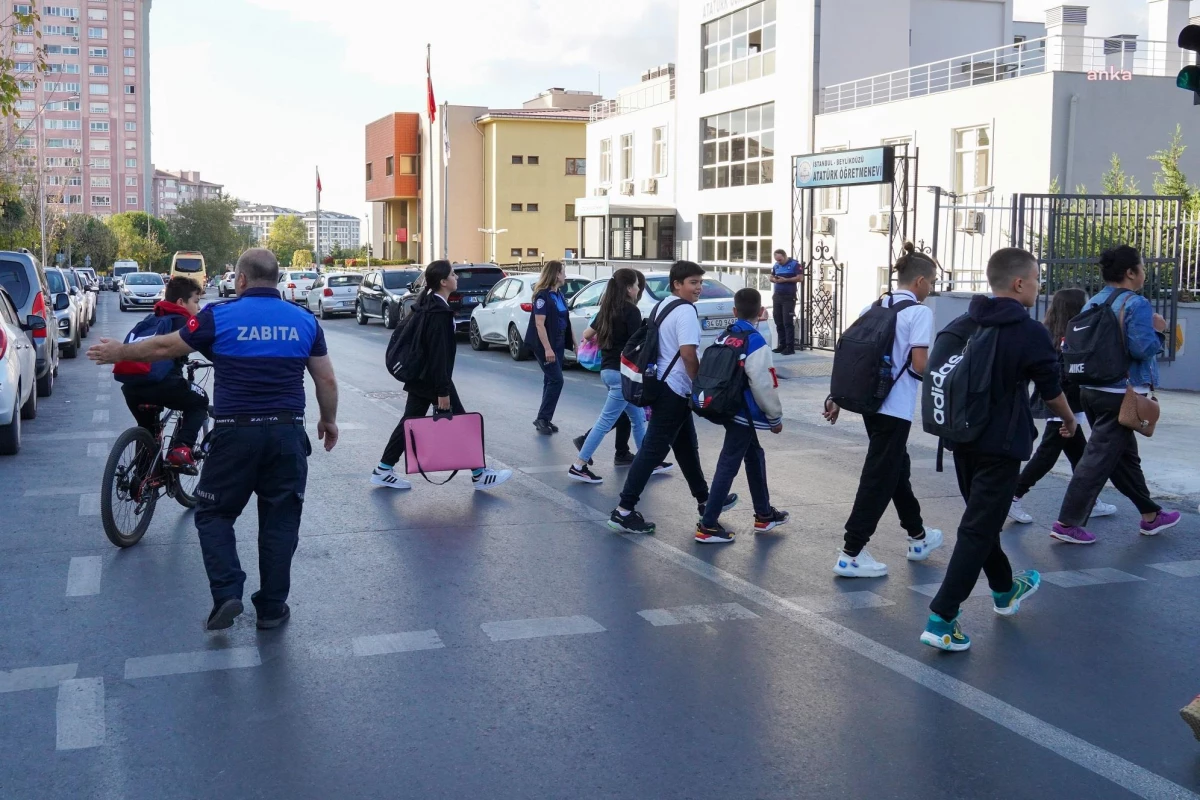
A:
(260, 346)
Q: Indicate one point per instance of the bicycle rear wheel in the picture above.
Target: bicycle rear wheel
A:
(184, 489)
(126, 506)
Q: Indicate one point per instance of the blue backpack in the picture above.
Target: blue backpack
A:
(144, 372)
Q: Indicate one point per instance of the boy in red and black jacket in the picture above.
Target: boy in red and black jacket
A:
(181, 302)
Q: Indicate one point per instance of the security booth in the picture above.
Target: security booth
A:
(814, 241)
(619, 232)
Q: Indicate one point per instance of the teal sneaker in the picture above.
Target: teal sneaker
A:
(945, 635)
(1025, 583)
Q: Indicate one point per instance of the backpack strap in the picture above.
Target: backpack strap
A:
(654, 317)
(896, 308)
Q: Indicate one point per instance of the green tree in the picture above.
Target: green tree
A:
(302, 258)
(10, 79)
(208, 226)
(79, 236)
(288, 234)
(1117, 181)
(1169, 180)
(141, 237)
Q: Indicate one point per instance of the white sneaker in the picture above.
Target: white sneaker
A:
(388, 478)
(860, 566)
(919, 549)
(490, 478)
(1102, 509)
(1018, 514)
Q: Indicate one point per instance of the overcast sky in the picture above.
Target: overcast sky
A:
(256, 93)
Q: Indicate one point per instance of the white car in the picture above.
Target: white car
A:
(295, 285)
(225, 287)
(334, 293)
(503, 316)
(141, 290)
(18, 376)
(715, 307)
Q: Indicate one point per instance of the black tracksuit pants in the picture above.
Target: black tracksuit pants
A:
(885, 479)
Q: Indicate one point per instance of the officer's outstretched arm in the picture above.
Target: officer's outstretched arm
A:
(321, 369)
(156, 348)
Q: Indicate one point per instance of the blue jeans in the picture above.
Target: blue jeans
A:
(614, 406)
(741, 446)
(552, 385)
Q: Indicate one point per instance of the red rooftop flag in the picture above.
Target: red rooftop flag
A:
(429, 87)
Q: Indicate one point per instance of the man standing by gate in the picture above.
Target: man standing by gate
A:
(786, 274)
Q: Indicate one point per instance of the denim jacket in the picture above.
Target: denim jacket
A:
(1143, 342)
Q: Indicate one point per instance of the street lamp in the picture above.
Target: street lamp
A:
(493, 232)
(368, 216)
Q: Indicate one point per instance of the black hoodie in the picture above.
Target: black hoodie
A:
(1024, 353)
(438, 347)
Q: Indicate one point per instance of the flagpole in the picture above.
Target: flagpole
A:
(429, 115)
(445, 183)
(318, 234)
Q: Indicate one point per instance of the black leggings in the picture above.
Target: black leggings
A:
(416, 406)
(1046, 456)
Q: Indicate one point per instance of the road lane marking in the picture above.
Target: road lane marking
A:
(89, 504)
(689, 615)
(387, 643)
(100, 415)
(844, 601)
(80, 714)
(536, 628)
(1070, 579)
(70, 437)
(19, 680)
(102, 398)
(97, 450)
(83, 577)
(56, 491)
(1180, 569)
(200, 661)
(931, 589)
(1136, 779)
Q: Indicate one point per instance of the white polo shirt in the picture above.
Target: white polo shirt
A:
(914, 328)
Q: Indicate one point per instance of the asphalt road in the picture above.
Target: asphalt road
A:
(447, 643)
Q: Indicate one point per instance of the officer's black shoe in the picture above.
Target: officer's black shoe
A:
(223, 614)
(543, 427)
(274, 622)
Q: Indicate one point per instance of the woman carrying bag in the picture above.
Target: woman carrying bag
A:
(547, 337)
(434, 385)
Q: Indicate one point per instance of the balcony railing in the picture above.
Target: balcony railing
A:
(654, 94)
(1113, 58)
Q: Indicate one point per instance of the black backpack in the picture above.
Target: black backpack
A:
(718, 390)
(862, 364)
(640, 382)
(403, 355)
(1094, 348)
(956, 396)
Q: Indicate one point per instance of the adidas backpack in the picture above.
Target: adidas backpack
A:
(956, 395)
(640, 382)
(146, 372)
(862, 365)
(718, 390)
(1093, 350)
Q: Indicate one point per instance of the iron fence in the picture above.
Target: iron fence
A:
(1189, 279)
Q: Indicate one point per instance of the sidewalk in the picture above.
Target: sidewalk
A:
(1171, 459)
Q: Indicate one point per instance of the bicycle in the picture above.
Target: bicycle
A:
(137, 474)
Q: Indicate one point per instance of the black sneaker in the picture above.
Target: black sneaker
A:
(271, 623)
(730, 503)
(622, 459)
(553, 427)
(663, 468)
(583, 475)
(543, 427)
(714, 535)
(776, 349)
(223, 614)
(578, 442)
(630, 523)
(771, 521)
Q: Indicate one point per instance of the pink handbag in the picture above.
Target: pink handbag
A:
(443, 443)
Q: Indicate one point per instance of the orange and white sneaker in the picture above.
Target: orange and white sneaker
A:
(714, 535)
(771, 521)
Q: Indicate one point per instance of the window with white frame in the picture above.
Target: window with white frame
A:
(130, 108)
(658, 154)
(127, 33)
(98, 108)
(129, 71)
(127, 16)
(738, 148)
(832, 199)
(131, 163)
(130, 144)
(98, 127)
(100, 162)
(101, 200)
(739, 47)
(131, 200)
(973, 162)
(101, 181)
(98, 52)
(131, 180)
(97, 88)
(98, 69)
(626, 158)
(606, 161)
(736, 238)
(131, 126)
(97, 33)
(99, 144)
(24, 48)
(97, 14)
(129, 52)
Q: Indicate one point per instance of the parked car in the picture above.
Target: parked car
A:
(92, 278)
(294, 285)
(225, 287)
(86, 300)
(18, 374)
(142, 290)
(106, 283)
(381, 294)
(25, 279)
(334, 293)
(474, 283)
(503, 316)
(67, 313)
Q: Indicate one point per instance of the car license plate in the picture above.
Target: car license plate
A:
(470, 300)
(718, 323)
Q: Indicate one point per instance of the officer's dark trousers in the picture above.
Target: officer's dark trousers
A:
(270, 461)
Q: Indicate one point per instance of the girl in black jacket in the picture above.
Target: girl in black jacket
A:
(434, 384)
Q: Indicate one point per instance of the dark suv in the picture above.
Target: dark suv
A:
(22, 275)
(474, 283)
(382, 293)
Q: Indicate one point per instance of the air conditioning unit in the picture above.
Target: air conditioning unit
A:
(627, 188)
(74, 38)
(78, 149)
(601, 192)
(650, 186)
(881, 222)
(969, 221)
(825, 226)
(74, 19)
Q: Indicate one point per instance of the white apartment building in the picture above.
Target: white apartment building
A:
(173, 189)
(259, 218)
(337, 230)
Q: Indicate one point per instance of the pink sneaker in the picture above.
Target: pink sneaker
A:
(1073, 534)
(1164, 520)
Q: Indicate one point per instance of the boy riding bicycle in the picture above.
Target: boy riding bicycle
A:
(163, 384)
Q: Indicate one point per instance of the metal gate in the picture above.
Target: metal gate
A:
(823, 301)
(1067, 234)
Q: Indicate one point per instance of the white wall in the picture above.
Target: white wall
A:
(860, 38)
(948, 28)
(641, 124)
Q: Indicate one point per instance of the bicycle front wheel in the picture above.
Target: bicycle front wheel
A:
(126, 502)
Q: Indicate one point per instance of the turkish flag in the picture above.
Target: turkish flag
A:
(429, 88)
